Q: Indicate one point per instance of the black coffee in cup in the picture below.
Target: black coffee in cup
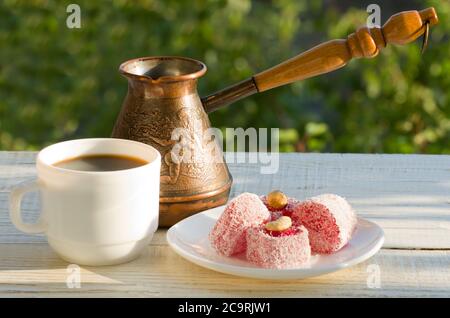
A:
(100, 162)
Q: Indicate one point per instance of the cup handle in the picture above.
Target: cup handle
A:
(15, 212)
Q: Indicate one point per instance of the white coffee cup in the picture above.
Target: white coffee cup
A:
(94, 217)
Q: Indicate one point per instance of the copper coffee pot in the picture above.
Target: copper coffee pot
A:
(162, 96)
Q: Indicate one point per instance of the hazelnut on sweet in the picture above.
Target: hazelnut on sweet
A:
(277, 199)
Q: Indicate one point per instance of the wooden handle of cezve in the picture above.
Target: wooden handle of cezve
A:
(401, 28)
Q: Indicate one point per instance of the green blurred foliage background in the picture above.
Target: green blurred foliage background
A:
(58, 83)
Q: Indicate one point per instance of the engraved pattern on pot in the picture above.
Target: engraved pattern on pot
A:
(155, 125)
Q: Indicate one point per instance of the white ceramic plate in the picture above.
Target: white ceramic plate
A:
(189, 238)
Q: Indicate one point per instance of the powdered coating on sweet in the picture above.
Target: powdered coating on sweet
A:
(228, 236)
(281, 252)
(330, 221)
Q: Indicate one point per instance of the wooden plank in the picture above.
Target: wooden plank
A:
(16, 167)
(408, 195)
(34, 270)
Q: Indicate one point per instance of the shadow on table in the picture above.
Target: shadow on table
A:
(34, 256)
(161, 270)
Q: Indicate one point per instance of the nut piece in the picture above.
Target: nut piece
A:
(277, 199)
(283, 223)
